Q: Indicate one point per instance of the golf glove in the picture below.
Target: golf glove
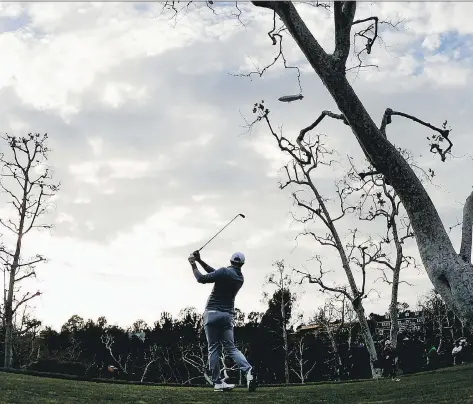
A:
(196, 254)
(191, 258)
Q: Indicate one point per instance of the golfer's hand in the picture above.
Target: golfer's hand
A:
(196, 255)
(191, 259)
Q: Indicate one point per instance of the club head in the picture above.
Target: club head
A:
(242, 215)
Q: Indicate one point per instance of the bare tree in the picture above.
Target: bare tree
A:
(122, 361)
(300, 365)
(331, 319)
(225, 368)
(350, 321)
(450, 272)
(307, 156)
(378, 201)
(74, 350)
(196, 356)
(151, 355)
(26, 345)
(167, 357)
(282, 281)
(337, 319)
(441, 319)
(27, 183)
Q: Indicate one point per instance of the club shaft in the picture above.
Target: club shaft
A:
(228, 224)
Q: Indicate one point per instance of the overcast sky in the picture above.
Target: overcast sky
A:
(145, 122)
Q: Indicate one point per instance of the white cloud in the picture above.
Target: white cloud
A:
(96, 145)
(115, 94)
(200, 198)
(77, 54)
(448, 74)
(64, 217)
(100, 172)
(431, 42)
(11, 10)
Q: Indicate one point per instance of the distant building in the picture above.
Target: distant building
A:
(319, 328)
(308, 328)
(140, 335)
(407, 320)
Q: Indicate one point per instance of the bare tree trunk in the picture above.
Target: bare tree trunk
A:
(282, 281)
(284, 335)
(465, 247)
(8, 361)
(393, 309)
(145, 371)
(333, 342)
(440, 343)
(368, 338)
(301, 370)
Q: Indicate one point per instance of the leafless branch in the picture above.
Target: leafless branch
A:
(388, 280)
(150, 356)
(318, 280)
(435, 140)
(195, 356)
(275, 34)
(26, 298)
(309, 128)
(315, 4)
(108, 340)
(368, 35)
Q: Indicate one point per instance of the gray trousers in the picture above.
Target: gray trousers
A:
(218, 327)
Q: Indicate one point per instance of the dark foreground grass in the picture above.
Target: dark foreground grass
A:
(447, 385)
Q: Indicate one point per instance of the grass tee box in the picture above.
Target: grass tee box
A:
(446, 385)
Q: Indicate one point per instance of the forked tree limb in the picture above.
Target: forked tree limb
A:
(318, 281)
(304, 131)
(344, 13)
(291, 19)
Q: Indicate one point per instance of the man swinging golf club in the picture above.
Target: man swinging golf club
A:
(218, 317)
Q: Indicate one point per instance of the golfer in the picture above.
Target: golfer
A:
(218, 317)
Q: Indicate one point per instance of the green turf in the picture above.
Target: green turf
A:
(447, 385)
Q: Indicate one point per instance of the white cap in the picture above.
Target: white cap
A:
(238, 258)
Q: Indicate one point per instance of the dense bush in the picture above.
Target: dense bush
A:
(57, 366)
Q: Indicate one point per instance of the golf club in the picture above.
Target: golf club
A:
(240, 214)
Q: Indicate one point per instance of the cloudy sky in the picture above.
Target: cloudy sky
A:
(145, 116)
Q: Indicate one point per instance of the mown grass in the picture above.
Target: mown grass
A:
(446, 385)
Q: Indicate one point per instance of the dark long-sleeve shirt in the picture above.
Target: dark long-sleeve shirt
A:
(227, 282)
